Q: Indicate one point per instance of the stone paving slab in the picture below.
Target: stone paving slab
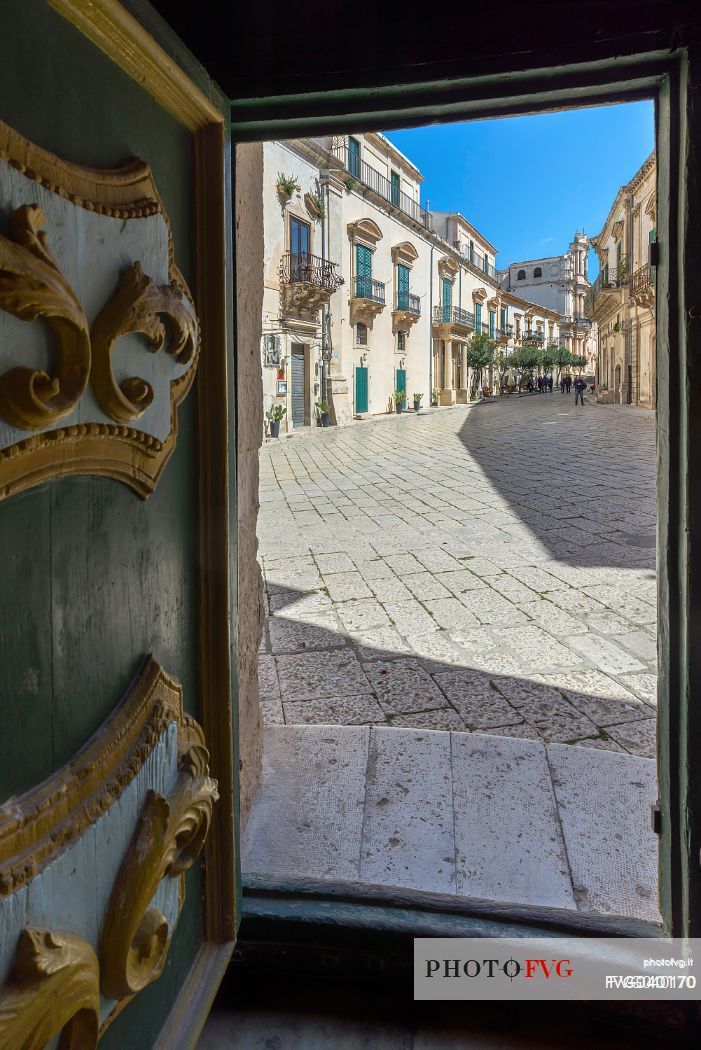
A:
(408, 836)
(604, 801)
(307, 819)
(508, 841)
(496, 817)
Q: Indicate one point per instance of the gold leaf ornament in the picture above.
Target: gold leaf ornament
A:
(53, 989)
(31, 286)
(162, 315)
(168, 838)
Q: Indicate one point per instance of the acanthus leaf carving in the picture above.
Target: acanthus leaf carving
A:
(167, 840)
(54, 989)
(161, 314)
(31, 286)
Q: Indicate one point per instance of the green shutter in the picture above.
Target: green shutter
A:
(478, 317)
(354, 157)
(492, 323)
(447, 294)
(402, 287)
(361, 389)
(363, 271)
(651, 238)
(395, 189)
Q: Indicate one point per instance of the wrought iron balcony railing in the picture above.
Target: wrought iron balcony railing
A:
(303, 268)
(368, 288)
(361, 171)
(409, 302)
(583, 322)
(533, 337)
(453, 315)
(554, 344)
(642, 279)
(506, 332)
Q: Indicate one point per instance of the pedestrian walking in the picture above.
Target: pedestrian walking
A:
(579, 387)
(540, 384)
(550, 383)
(568, 383)
(562, 385)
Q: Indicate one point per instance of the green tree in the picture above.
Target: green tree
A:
(579, 362)
(562, 358)
(481, 351)
(526, 359)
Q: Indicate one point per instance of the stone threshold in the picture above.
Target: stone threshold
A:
(468, 814)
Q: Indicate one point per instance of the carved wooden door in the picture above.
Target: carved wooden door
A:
(116, 760)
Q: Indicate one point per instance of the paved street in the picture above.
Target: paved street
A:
(486, 568)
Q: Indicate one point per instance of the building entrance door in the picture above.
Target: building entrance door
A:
(400, 382)
(298, 391)
(361, 389)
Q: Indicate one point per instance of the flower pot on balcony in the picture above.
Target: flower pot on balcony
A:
(275, 429)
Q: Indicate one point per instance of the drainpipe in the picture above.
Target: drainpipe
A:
(430, 331)
(629, 321)
(324, 182)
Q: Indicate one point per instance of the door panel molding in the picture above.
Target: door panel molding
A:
(108, 25)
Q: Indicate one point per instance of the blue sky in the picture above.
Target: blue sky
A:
(528, 182)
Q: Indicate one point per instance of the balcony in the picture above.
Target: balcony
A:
(376, 182)
(606, 293)
(642, 286)
(504, 334)
(406, 312)
(368, 298)
(454, 315)
(581, 322)
(307, 283)
(535, 338)
(411, 304)
(554, 344)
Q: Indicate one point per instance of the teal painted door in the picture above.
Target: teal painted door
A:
(394, 193)
(400, 382)
(402, 287)
(492, 323)
(363, 272)
(478, 317)
(446, 299)
(94, 578)
(361, 389)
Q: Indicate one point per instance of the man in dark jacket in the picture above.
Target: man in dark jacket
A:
(579, 387)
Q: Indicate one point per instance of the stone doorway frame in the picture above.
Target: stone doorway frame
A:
(674, 82)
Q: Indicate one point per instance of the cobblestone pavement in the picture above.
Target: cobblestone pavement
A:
(486, 568)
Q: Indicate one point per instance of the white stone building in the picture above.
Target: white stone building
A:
(559, 282)
(366, 292)
(622, 298)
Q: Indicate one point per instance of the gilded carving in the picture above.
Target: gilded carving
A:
(162, 315)
(31, 286)
(167, 840)
(48, 818)
(54, 989)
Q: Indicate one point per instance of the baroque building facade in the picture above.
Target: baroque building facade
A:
(366, 292)
(622, 298)
(559, 282)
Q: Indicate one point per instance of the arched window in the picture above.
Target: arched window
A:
(361, 334)
(521, 275)
(538, 272)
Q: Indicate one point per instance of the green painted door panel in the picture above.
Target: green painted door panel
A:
(92, 578)
(400, 382)
(361, 389)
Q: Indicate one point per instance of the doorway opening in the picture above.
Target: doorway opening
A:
(458, 663)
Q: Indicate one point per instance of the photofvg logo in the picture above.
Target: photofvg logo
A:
(556, 968)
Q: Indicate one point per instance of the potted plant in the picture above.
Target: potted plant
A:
(417, 401)
(274, 415)
(398, 396)
(324, 412)
(435, 394)
(286, 185)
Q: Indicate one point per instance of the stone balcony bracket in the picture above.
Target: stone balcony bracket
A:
(403, 320)
(364, 309)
